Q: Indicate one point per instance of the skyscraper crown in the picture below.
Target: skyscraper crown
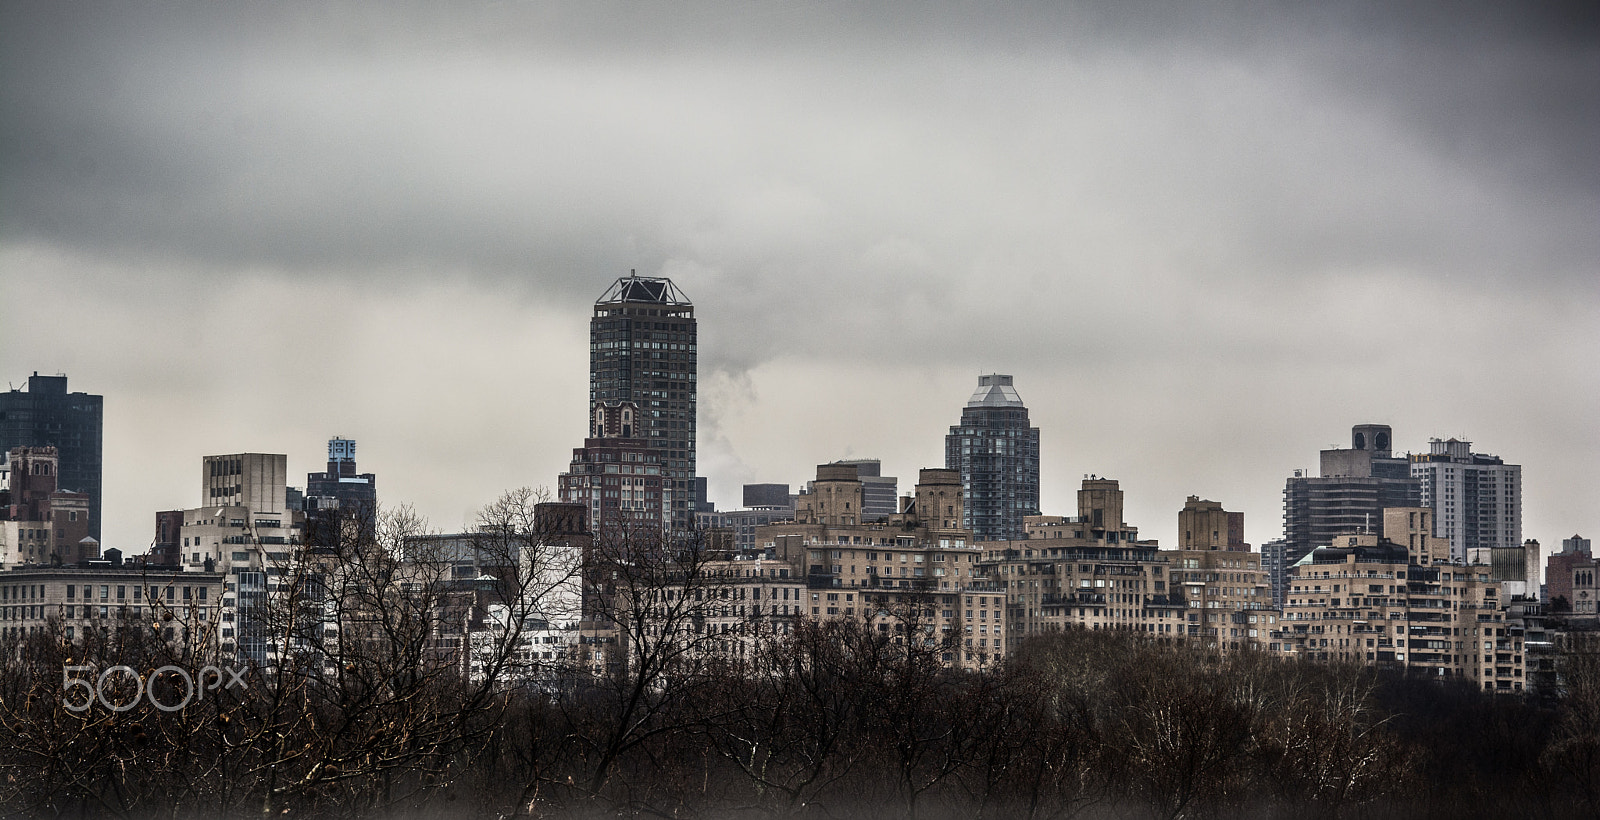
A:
(995, 391)
(636, 288)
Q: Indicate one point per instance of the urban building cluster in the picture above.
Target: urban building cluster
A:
(1407, 560)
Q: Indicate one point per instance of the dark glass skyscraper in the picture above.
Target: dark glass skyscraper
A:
(997, 453)
(642, 350)
(47, 415)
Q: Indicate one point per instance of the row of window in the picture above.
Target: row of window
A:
(69, 592)
(75, 611)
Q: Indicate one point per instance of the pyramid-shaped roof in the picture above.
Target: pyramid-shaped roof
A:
(995, 391)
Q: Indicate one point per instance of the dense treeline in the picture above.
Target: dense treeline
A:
(834, 720)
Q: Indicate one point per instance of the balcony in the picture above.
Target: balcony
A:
(1430, 631)
(821, 581)
(1072, 599)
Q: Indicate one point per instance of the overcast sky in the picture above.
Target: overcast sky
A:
(1206, 241)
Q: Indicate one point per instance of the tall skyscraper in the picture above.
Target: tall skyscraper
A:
(46, 415)
(997, 454)
(642, 341)
(1476, 498)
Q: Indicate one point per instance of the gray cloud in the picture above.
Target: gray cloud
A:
(1172, 223)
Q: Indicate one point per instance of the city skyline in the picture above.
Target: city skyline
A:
(1207, 243)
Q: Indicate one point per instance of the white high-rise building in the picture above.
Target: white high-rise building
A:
(1476, 498)
(246, 531)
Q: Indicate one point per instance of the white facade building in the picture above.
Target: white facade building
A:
(1476, 498)
(247, 533)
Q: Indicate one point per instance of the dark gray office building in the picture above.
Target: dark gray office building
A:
(47, 415)
(997, 453)
(338, 494)
(642, 342)
(767, 495)
(880, 494)
(1355, 487)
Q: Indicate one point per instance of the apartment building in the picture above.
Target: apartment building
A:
(1226, 587)
(1355, 486)
(1570, 578)
(743, 523)
(1091, 571)
(913, 574)
(1476, 498)
(738, 602)
(1379, 600)
(618, 475)
(247, 532)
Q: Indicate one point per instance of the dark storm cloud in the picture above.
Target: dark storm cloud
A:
(513, 139)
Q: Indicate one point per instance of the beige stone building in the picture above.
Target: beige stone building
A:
(916, 574)
(1412, 528)
(1224, 586)
(1091, 571)
(1205, 525)
(739, 602)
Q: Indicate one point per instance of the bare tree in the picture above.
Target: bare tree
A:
(1040, 760)
(1323, 744)
(656, 595)
(789, 718)
(367, 697)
